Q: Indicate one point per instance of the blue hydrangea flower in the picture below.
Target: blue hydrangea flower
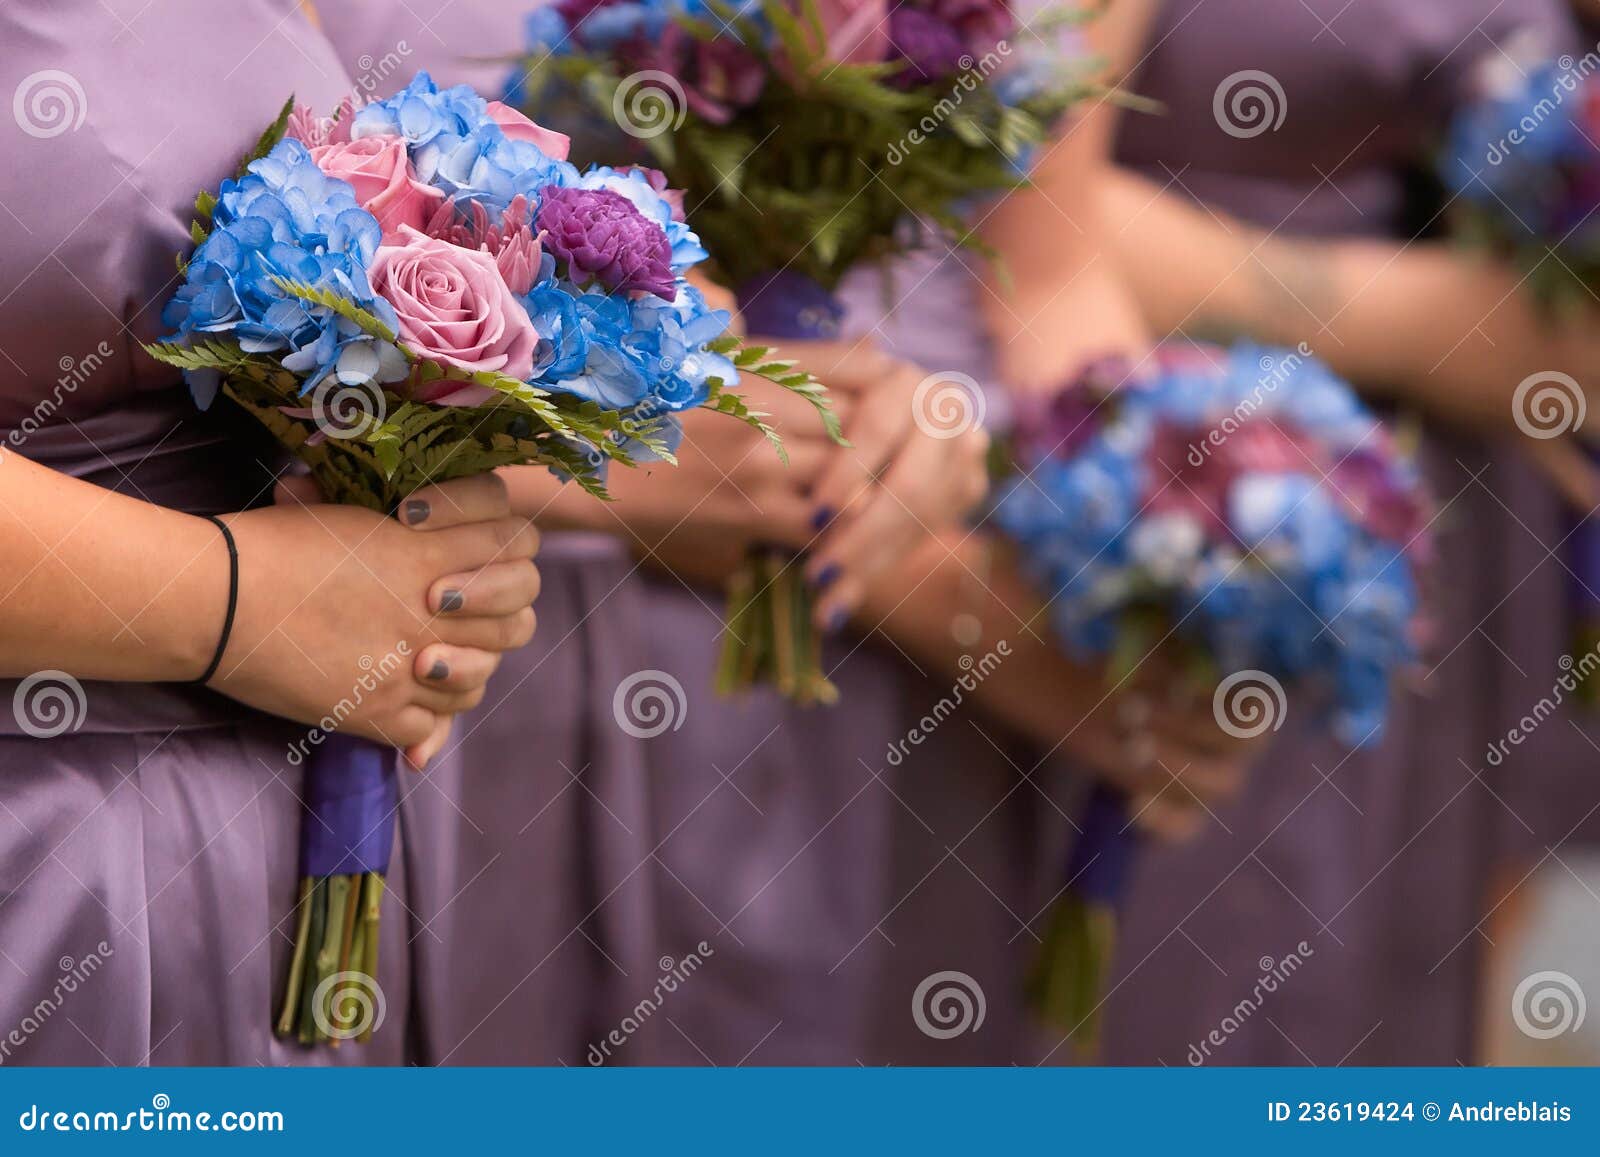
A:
(421, 113)
(1286, 577)
(283, 220)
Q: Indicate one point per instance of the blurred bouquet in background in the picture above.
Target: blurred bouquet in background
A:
(811, 136)
(422, 290)
(1522, 168)
(1241, 510)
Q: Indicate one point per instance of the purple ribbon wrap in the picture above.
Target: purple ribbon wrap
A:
(352, 797)
(1097, 869)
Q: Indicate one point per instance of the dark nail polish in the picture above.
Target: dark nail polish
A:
(417, 511)
(822, 517)
(439, 670)
(836, 621)
(451, 601)
(825, 577)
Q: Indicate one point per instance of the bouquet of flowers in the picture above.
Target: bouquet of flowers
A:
(420, 290)
(1243, 507)
(813, 136)
(1523, 172)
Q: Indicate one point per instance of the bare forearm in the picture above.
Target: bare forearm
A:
(101, 585)
(965, 586)
(1437, 325)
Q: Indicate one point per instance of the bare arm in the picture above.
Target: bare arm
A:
(105, 586)
(1448, 330)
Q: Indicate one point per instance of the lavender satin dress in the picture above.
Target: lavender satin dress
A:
(1365, 872)
(148, 846)
(531, 906)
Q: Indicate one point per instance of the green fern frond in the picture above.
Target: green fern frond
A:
(344, 307)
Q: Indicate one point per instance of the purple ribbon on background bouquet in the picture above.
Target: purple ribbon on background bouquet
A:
(790, 305)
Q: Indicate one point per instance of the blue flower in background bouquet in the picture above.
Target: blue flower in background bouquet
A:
(1242, 507)
(1522, 165)
(422, 290)
(814, 136)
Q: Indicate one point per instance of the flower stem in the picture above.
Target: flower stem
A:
(297, 962)
(372, 907)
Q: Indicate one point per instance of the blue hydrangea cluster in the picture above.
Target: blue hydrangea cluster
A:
(1521, 159)
(1250, 502)
(285, 219)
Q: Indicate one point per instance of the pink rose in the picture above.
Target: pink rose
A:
(519, 128)
(379, 171)
(454, 307)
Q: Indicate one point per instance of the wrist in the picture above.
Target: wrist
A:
(195, 603)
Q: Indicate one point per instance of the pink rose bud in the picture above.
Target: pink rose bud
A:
(380, 172)
(454, 307)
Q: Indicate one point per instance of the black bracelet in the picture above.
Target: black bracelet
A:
(233, 598)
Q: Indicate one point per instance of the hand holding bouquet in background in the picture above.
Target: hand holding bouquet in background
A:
(893, 126)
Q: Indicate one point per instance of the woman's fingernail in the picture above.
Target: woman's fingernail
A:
(417, 510)
(451, 601)
(822, 517)
(439, 670)
(835, 621)
(825, 577)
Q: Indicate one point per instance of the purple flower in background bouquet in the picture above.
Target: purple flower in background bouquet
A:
(814, 136)
(1522, 167)
(1243, 509)
(420, 290)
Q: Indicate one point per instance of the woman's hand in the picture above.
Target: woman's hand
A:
(915, 466)
(730, 490)
(1162, 745)
(330, 595)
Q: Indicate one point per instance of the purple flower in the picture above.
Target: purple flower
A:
(931, 47)
(599, 234)
(939, 38)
